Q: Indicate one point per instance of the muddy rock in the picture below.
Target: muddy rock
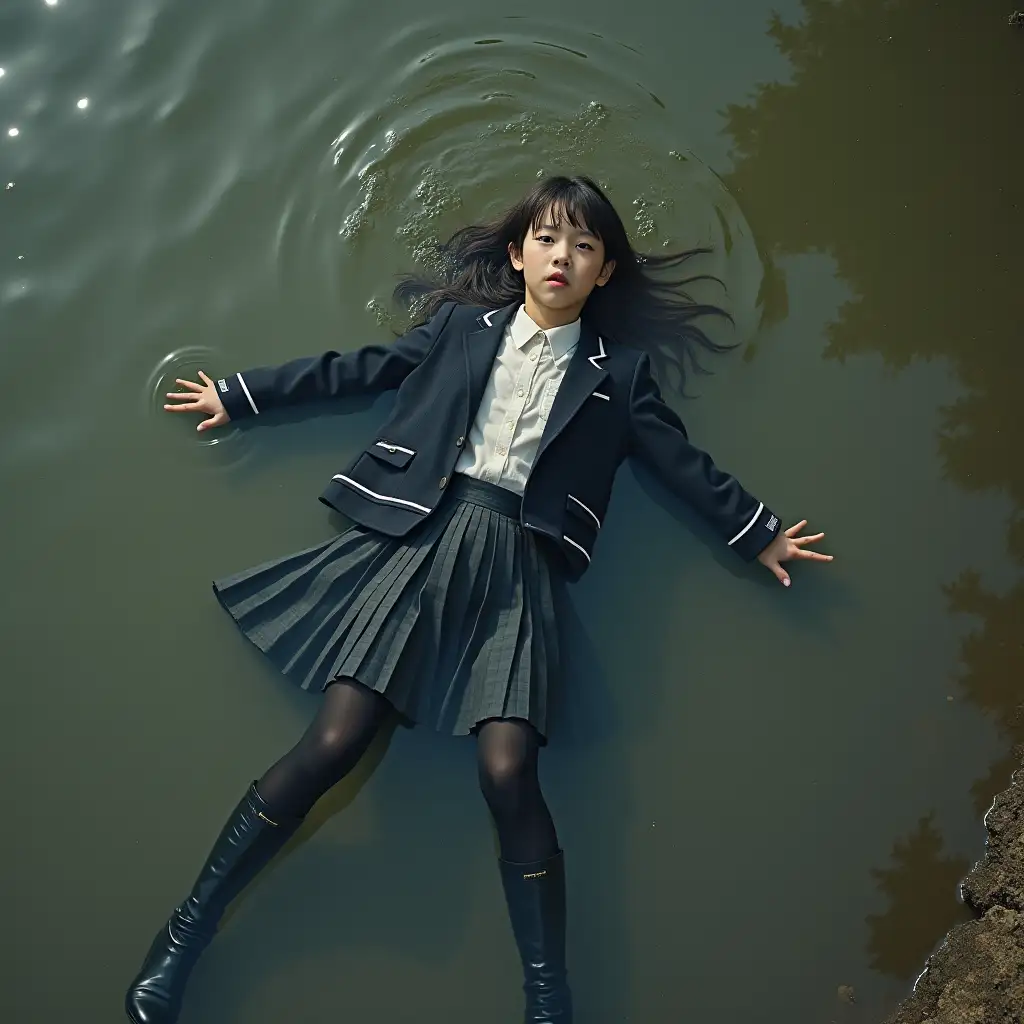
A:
(998, 880)
(977, 975)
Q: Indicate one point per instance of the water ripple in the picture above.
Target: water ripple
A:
(230, 445)
(260, 211)
(458, 128)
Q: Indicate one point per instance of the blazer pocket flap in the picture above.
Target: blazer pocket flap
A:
(582, 511)
(394, 454)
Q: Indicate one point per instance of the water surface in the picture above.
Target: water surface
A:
(764, 795)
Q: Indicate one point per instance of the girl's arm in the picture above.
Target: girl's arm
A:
(658, 439)
(369, 370)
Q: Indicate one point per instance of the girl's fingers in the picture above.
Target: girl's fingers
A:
(189, 384)
(206, 380)
(814, 556)
(810, 539)
(185, 407)
(794, 530)
(184, 396)
(214, 421)
(780, 574)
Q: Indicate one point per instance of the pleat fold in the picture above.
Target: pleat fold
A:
(454, 624)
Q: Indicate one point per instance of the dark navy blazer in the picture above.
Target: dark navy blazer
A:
(608, 407)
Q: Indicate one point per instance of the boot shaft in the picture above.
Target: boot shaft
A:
(535, 894)
(248, 842)
(250, 838)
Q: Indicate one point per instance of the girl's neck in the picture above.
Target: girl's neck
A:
(546, 318)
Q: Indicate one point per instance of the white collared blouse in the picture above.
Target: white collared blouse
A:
(513, 412)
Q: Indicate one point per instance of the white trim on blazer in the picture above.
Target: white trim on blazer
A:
(380, 497)
(585, 509)
(579, 548)
(760, 509)
(247, 395)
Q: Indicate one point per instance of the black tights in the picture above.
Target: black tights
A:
(507, 767)
(346, 723)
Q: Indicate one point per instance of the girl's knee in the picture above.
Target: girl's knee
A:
(507, 761)
(503, 772)
(507, 779)
(332, 744)
(335, 749)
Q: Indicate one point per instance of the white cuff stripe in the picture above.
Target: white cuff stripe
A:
(760, 509)
(587, 510)
(380, 497)
(247, 395)
(581, 550)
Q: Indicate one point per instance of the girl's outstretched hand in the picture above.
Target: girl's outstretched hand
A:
(200, 398)
(789, 545)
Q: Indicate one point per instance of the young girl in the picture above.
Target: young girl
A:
(482, 494)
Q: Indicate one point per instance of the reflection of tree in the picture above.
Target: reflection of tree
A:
(896, 148)
(993, 666)
(921, 888)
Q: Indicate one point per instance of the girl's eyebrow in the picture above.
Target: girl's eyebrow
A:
(551, 227)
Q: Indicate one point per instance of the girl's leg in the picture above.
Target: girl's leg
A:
(507, 754)
(532, 866)
(261, 824)
(331, 747)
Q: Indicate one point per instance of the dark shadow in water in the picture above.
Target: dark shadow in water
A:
(597, 722)
(601, 717)
(334, 802)
(363, 894)
(814, 603)
(915, 111)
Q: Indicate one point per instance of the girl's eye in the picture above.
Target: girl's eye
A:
(586, 245)
(544, 238)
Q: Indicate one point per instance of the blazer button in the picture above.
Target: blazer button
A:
(461, 441)
(442, 483)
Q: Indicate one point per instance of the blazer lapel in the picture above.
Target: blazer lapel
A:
(584, 375)
(480, 348)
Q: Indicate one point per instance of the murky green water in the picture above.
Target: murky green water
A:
(764, 795)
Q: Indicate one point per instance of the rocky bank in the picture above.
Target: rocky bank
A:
(977, 975)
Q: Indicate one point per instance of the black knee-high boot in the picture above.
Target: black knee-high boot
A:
(248, 841)
(535, 894)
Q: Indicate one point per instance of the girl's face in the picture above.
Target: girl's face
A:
(561, 266)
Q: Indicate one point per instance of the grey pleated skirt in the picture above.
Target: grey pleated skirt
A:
(455, 623)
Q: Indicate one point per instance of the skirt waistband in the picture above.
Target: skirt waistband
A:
(480, 492)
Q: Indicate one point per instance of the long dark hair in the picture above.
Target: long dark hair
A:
(645, 304)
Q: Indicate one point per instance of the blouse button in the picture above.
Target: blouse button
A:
(521, 392)
(533, 357)
(442, 483)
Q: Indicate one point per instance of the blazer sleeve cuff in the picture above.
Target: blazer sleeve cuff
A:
(237, 397)
(756, 533)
